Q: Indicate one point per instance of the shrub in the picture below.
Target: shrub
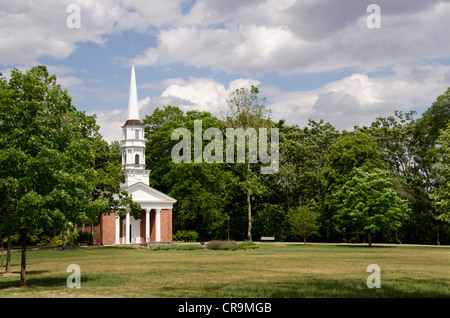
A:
(169, 247)
(162, 247)
(247, 245)
(222, 245)
(186, 236)
(84, 238)
(49, 241)
(72, 238)
(189, 247)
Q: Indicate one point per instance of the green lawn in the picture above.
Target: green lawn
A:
(273, 271)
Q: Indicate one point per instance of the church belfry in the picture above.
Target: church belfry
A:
(133, 142)
(154, 222)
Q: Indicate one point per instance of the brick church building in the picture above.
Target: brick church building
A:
(155, 221)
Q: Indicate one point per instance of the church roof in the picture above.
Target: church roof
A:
(143, 193)
(133, 122)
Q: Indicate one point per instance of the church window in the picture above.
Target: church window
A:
(136, 134)
(136, 159)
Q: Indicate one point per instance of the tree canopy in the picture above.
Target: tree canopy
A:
(398, 161)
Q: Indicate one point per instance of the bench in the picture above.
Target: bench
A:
(267, 238)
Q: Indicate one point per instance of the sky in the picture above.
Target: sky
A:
(343, 61)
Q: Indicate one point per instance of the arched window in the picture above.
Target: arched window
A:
(136, 159)
(136, 134)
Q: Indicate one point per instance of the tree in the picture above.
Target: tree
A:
(441, 168)
(158, 130)
(246, 110)
(47, 158)
(395, 137)
(349, 151)
(303, 221)
(369, 202)
(427, 131)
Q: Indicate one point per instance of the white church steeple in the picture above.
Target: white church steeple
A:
(133, 109)
(133, 142)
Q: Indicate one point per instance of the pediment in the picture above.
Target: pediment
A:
(141, 192)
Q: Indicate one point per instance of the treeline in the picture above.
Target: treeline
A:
(388, 182)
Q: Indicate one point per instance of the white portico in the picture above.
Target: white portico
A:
(155, 221)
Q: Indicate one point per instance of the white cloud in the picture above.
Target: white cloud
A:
(251, 38)
(204, 94)
(201, 94)
(34, 29)
(358, 99)
(306, 36)
(242, 37)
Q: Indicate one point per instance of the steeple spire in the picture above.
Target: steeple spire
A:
(133, 142)
(133, 110)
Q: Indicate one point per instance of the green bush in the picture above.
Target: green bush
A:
(169, 247)
(49, 241)
(247, 245)
(189, 247)
(222, 245)
(162, 247)
(84, 238)
(186, 236)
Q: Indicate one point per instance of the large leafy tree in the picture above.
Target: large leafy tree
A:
(350, 151)
(47, 157)
(369, 202)
(302, 154)
(426, 132)
(441, 172)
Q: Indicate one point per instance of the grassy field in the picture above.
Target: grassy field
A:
(272, 271)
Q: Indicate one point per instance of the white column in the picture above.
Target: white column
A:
(117, 228)
(158, 225)
(147, 225)
(127, 229)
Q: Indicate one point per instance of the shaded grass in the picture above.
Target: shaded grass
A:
(272, 271)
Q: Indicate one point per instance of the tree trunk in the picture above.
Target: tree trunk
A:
(249, 204)
(304, 240)
(437, 234)
(23, 272)
(358, 240)
(288, 199)
(8, 255)
(396, 237)
(370, 239)
(65, 244)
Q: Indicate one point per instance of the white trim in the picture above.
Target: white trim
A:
(162, 198)
(127, 229)
(147, 225)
